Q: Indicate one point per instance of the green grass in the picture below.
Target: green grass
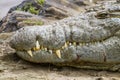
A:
(41, 2)
(34, 22)
(33, 10)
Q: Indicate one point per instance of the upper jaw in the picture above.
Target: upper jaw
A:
(99, 15)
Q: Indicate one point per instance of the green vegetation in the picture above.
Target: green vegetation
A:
(19, 9)
(41, 2)
(26, 7)
(29, 7)
(33, 22)
(33, 10)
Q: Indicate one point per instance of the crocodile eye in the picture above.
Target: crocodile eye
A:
(102, 15)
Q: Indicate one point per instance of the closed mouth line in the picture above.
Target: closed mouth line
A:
(38, 47)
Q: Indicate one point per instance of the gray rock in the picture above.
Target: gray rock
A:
(17, 19)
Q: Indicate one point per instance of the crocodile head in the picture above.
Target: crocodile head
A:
(93, 37)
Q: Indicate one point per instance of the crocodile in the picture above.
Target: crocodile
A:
(89, 40)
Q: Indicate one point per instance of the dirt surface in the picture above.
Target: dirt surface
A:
(14, 68)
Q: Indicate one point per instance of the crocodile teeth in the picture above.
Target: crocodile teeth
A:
(74, 43)
(50, 51)
(90, 1)
(65, 46)
(37, 45)
(70, 44)
(58, 53)
(30, 53)
(45, 49)
(42, 48)
(87, 44)
(80, 44)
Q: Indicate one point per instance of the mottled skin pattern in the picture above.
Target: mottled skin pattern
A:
(93, 41)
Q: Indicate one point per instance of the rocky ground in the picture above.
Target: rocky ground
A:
(14, 68)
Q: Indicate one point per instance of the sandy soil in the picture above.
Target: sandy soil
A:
(14, 68)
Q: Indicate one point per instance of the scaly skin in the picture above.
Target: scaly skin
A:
(89, 40)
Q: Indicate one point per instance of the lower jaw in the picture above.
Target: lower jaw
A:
(52, 59)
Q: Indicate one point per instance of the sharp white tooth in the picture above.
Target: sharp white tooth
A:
(50, 51)
(91, 1)
(37, 45)
(58, 53)
(70, 44)
(30, 53)
(87, 44)
(42, 48)
(74, 43)
(80, 44)
(45, 49)
(65, 45)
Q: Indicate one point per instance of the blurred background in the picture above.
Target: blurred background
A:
(5, 5)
